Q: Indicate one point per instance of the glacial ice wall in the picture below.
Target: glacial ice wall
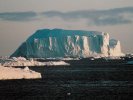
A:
(115, 47)
(48, 43)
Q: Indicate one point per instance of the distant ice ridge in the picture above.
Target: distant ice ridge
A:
(17, 73)
(21, 61)
(54, 43)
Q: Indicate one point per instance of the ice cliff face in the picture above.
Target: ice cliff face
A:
(115, 47)
(68, 43)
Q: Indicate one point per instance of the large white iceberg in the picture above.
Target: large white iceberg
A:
(17, 73)
(54, 43)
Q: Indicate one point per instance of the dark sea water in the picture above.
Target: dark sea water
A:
(75, 82)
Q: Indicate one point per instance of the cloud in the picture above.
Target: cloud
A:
(111, 21)
(114, 16)
(18, 16)
(96, 17)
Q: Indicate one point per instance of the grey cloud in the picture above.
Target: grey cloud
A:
(18, 16)
(96, 17)
(111, 21)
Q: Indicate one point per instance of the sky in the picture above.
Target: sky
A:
(21, 18)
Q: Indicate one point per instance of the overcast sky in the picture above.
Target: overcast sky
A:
(21, 18)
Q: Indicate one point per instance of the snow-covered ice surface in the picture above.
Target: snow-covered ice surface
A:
(17, 73)
(21, 61)
(48, 43)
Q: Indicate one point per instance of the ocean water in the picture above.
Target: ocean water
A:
(75, 82)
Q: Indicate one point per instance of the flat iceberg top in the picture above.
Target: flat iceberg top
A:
(45, 33)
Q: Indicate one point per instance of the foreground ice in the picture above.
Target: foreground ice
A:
(17, 73)
(21, 61)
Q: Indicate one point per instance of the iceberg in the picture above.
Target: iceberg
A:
(21, 61)
(17, 73)
(52, 43)
(115, 47)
